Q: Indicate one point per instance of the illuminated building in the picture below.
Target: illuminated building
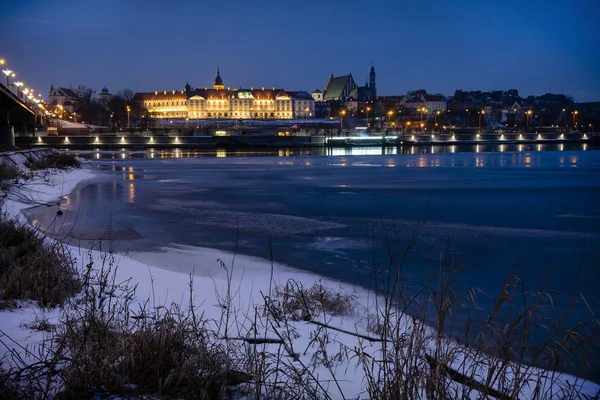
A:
(66, 98)
(228, 103)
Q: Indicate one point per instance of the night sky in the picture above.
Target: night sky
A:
(535, 46)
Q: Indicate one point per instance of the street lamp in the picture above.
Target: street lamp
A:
(368, 109)
(128, 120)
(8, 74)
(564, 115)
(575, 118)
(482, 112)
(18, 85)
(436, 117)
(342, 113)
(306, 110)
(389, 113)
(528, 117)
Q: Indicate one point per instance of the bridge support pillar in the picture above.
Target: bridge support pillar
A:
(7, 136)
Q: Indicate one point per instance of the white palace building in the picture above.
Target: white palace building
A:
(228, 103)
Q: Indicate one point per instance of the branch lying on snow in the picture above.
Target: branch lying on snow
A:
(433, 364)
(358, 335)
(256, 340)
(466, 380)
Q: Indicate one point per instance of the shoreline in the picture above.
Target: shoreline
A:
(154, 278)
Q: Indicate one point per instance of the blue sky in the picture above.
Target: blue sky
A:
(535, 46)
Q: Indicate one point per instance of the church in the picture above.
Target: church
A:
(228, 103)
(344, 88)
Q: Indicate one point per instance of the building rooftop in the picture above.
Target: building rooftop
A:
(336, 87)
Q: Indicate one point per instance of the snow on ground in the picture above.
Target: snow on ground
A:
(164, 277)
(76, 125)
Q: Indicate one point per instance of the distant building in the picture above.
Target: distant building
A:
(317, 95)
(344, 88)
(420, 99)
(171, 104)
(369, 91)
(435, 102)
(105, 97)
(340, 88)
(63, 98)
(228, 103)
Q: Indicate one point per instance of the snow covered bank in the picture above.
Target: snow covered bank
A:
(338, 351)
(18, 159)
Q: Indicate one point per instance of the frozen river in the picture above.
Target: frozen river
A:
(491, 212)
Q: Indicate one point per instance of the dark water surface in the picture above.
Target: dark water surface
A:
(493, 213)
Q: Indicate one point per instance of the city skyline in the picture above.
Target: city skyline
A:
(533, 47)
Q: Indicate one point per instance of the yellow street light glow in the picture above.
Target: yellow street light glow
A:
(2, 61)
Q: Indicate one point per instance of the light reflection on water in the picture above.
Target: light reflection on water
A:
(336, 151)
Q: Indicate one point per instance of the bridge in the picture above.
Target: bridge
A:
(16, 117)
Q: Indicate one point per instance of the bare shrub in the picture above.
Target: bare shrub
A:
(165, 351)
(8, 172)
(33, 268)
(40, 324)
(300, 303)
(55, 160)
(11, 388)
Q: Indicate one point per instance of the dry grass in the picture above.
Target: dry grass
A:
(301, 304)
(164, 351)
(497, 359)
(107, 344)
(8, 172)
(10, 389)
(33, 268)
(53, 161)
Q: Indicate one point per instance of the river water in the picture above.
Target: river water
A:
(493, 213)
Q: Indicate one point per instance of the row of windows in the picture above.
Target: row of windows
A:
(182, 103)
(165, 104)
(265, 107)
(240, 115)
